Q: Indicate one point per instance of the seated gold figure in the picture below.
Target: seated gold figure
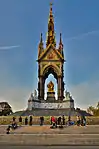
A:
(50, 87)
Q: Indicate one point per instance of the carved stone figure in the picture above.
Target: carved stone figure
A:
(35, 93)
(50, 87)
(31, 95)
(67, 95)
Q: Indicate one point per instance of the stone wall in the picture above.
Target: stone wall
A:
(44, 105)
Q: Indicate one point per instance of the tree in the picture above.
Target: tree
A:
(5, 109)
(91, 110)
(94, 110)
(98, 105)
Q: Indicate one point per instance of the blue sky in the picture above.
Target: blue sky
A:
(21, 23)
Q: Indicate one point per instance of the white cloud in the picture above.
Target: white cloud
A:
(83, 35)
(17, 97)
(8, 47)
(85, 94)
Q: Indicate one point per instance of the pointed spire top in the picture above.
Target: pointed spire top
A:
(40, 46)
(60, 43)
(60, 37)
(51, 13)
(41, 39)
(50, 33)
(51, 5)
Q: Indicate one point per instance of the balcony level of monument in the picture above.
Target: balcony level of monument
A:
(35, 103)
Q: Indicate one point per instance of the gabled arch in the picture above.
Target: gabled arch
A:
(50, 69)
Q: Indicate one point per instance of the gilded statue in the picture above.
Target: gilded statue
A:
(50, 87)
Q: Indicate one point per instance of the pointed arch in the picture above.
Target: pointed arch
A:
(50, 69)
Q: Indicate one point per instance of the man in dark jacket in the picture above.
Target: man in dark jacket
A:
(63, 118)
(26, 121)
(20, 120)
(41, 120)
(30, 120)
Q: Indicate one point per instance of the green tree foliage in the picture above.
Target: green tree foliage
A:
(94, 110)
(6, 109)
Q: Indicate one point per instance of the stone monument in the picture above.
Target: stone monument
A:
(50, 61)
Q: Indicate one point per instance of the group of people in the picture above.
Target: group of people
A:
(81, 121)
(14, 123)
(61, 120)
(27, 121)
(30, 120)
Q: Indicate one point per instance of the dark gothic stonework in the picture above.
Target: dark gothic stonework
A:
(50, 97)
(50, 60)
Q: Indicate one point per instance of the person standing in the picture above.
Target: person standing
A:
(83, 121)
(14, 119)
(54, 122)
(51, 120)
(63, 119)
(41, 120)
(26, 121)
(30, 122)
(20, 120)
(59, 120)
(78, 121)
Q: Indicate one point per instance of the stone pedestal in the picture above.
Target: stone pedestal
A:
(50, 97)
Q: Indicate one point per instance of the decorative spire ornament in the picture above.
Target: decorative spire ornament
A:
(50, 33)
(61, 45)
(40, 47)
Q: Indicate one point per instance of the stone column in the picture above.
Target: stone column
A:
(60, 88)
(41, 88)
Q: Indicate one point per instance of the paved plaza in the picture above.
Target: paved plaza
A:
(90, 129)
(50, 147)
(36, 129)
(43, 135)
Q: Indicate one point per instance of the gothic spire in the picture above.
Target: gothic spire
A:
(41, 39)
(40, 47)
(61, 45)
(50, 33)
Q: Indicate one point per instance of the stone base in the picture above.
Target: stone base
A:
(68, 104)
(50, 112)
(50, 97)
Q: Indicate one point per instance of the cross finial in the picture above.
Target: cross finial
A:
(51, 4)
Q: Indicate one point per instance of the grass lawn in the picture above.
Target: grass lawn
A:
(5, 120)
